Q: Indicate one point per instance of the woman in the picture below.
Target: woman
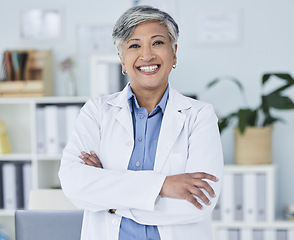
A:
(160, 151)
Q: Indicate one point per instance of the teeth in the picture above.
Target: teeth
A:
(149, 68)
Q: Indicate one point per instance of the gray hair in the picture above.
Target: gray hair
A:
(126, 24)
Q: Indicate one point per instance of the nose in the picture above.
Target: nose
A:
(147, 54)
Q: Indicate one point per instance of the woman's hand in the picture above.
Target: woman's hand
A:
(91, 159)
(187, 186)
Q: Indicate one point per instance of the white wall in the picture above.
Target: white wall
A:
(266, 45)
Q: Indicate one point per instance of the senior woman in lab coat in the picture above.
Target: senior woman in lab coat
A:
(152, 158)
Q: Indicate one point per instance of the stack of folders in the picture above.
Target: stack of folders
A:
(16, 184)
(243, 198)
(55, 123)
(255, 234)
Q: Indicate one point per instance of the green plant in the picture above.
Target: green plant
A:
(251, 116)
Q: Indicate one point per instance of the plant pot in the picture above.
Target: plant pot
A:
(254, 146)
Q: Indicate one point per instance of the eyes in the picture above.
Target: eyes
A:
(156, 43)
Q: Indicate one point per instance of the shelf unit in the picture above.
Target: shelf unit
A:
(228, 225)
(19, 115)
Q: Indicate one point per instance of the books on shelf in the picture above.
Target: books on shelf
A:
(16, 184)
(55, 124)
(26, 73)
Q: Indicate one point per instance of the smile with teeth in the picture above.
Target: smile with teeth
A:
(149, 68)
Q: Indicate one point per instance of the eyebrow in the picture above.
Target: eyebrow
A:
(138, 39)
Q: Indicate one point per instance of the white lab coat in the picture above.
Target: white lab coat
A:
(189, 141)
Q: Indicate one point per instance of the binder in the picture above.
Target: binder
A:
(227, 198)
(62, 137)
(234, 234)
(27, 183)
(261, 197)
(51, 129)
(258, 234)
(238, 196)
(290, 234)
(19, 185)
(223, 234)
(216, 213)
(1, 188)
(246, 234)
(250, 197)
(282, 234)
(270, 234)
(9, 186)
(71, 112)
(40, 130)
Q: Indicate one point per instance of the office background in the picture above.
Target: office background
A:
(264, 44)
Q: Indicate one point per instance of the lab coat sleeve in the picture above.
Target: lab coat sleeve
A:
(96, 189)
(205, 155)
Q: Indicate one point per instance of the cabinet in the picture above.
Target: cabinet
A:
(20, 117)
(246, 207)
(27, 73)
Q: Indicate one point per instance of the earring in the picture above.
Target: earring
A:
(174, 66)
(124, 72)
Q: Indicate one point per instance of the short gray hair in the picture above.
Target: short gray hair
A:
(134, 16)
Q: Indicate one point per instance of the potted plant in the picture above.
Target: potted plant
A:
(254, 125)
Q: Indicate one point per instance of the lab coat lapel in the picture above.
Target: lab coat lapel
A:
(123, 116)
(172, 125)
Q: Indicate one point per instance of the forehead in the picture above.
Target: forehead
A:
(149, 29)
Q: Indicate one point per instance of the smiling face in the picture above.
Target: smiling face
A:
(148, 56)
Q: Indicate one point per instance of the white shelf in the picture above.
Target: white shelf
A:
(16, 157)
(255, 225)
(7, 213)
(45, 157)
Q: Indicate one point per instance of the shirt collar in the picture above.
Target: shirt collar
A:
(132, 99)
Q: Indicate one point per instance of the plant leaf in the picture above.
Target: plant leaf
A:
(284, 76)
(243, 119)
(275, 100)
(252, 118)
(226, 78)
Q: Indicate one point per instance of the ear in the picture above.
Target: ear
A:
(122, 61)
(175, 53)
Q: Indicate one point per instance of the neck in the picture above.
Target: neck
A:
(149, 99)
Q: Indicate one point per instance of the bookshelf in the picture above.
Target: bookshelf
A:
(20, 116)
(246, 207)
(28, 73)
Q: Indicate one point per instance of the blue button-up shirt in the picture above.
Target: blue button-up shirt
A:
(146, 132)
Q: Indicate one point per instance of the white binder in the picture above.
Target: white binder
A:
(227, 198)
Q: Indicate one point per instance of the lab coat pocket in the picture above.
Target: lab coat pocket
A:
(176, 163)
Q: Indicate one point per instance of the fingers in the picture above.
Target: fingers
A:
(190, 198)
(91, 159)
(190, 186)
(204, 175)
(199, 183)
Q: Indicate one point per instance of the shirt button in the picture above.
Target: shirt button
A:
(142, 116)
(114, 222)
(139, 139)
(138, 164)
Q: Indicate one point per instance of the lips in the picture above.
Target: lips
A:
(149, 68)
